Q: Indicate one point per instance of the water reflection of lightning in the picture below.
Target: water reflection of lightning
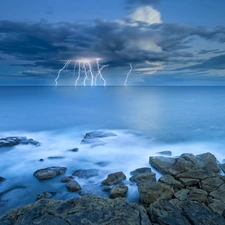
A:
(125, 82)
(84, 67)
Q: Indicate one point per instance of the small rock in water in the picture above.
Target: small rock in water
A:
(73, 186)
(2, 179)
(86, 173)
(49, 172)
(102, 164)
(45, 195)
(12, 141)
(114, 178)
(119, 190)
(41, 160)
(56, 157)
(73, 150)
(142, 175)
(66, 179)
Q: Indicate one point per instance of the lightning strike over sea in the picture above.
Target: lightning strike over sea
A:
(125, 82)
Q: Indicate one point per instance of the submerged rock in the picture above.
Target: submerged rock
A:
(86, 210)
(49, 172)
(86, 173)
(114, 178)
(45, 195)
(12, 141)
(73, 186)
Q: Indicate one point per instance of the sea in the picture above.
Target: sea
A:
(146, 121)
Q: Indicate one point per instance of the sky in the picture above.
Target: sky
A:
(112, 42)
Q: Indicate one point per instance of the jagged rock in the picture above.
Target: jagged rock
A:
(196, 174)
(217, 206)
(94, 136)
(207, 161)
(167, 153)
(182, 194)
(66, 179)
(198, 195)
(119, 190)
(2, 179)
(86, 173)
(142, 175)
(150, 192)
(49, 172)
(45, 195)
(198, 214)
(219, 193)
(211, 184)
(171, 181)
(12, 141)
(114, 178)
(163, 212)
(86, 210)
(73, 186)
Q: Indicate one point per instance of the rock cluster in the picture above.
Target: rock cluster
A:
(12, 141)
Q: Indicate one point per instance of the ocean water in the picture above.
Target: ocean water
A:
(146, 120)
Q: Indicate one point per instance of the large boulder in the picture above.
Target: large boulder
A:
(49, 172)
(12, 141)
(163, 212)
(150, 192)
(114, 178)
(87, 210)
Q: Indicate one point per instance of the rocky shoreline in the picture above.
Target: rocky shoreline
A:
(190, 191)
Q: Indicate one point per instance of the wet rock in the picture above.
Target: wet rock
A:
(12, 141)
(119, 190)
(211, 184)
(114, 178)
(198, 195)
(94, 136)
(86, 173)
(86, 210)
(73, 150)
(189, 182)
(150, 192)
(66, 179)
(49, 172)
(171, 181)
(198, 214)
(182, 194)
(166, 153)
(41, 160)
(73, 186)
(163, 212)
(142, 175)
(2, 179)
(45, 195)
(219, 193)
(56, 157)
(217, 206)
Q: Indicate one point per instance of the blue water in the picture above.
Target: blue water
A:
(147, 120)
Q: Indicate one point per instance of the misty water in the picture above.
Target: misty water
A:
(146, 120)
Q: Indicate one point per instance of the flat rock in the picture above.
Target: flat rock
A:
(49, 172)
(73, 186)
(189, 182)
(163, 212)
(211, 184)
(198, 214)
(56, 157)
(12, 141)
(87, 210)
(114, 178)
(94, 136)
(86, 173)
(142, 175)
(150, 192)
(182, 194)
(45, 195)
(196, 174)
(119, 190)
(198, 195)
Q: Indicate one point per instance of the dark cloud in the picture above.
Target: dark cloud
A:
(46, 45)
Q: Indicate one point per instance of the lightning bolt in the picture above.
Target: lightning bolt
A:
(99, 72)
(78, 77)
(125, 82)
(65, 65)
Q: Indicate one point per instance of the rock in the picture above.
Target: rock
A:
(41, 160)
(73, 150)
(49, 172)
(182, 194)
(162, 163)
(198, 214)
(114, 178)
(196, 174)
(56, 157)
(73, 186)
(94, 136)
(66, 179)
(45, 195)
(86, 173)
(163, 212)
(142, 175)
(12, 141)
(171, 181)
(217, 206)
(219, 193)
(189, 182)
(167, 153)
(2, 179)
(119, 190)
(86, 210)
(207, 161)
(211, 184)
(150, 192)
(102, 164)
(198, 195)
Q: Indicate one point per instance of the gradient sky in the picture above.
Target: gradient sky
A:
(167, 42)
